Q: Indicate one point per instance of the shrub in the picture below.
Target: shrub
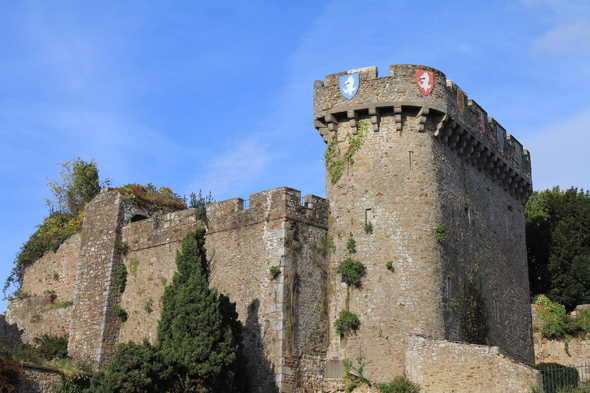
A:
(19, 294)
(275, 271)
(389, 266)
(28, 354)
(368, 227)
(121, 277)
(352, 271)
(398, 385)
(9, 372)
(120, 312)
(442, 233)
(36, 318)
(556, 376)
(351, 246)
(559, 325)
(153, 199)
(346, 322)
(52, 346)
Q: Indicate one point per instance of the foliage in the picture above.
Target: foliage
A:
(398, 385)
(347, 322)
(9, 372)
(59, 304)
(36, 318)
(558, 324)
(352, 271)
(275, 271)
(55, 276)
(135, 368)
(579, 389)
(558, 245)
(199, 203)
(121, 277)
(472, 313)
(199, 330)
(556, 376)
(334, 163)
(389, 266)
(351, 246)
(150, 198)
(441, 233)
(134, 263)
(19, 294)
(78, 185)
(148, 306)
(120, 312)
(368, 227)
(52, 346)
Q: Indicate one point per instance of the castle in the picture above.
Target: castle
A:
(428, 186)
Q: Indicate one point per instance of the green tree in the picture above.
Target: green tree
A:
(558, 245)
(199, 331)
(78, 185)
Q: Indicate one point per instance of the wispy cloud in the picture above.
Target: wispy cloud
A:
(565, 37)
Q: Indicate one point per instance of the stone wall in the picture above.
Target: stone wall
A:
(279, 322)
(55, 272)
(36, 316)
(444, 366)
(34, 379)
(150, 264)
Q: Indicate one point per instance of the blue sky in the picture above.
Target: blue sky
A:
(218, 95)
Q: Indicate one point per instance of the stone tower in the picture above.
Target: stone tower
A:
(423, 157)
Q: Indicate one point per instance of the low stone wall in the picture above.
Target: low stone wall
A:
(37, 315)
(445, 366)
(37, 380)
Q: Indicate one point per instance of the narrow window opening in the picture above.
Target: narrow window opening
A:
(449, 288)
(496, 308)
(411, 160)
(367, 216)
(468, 215)
(138, 217)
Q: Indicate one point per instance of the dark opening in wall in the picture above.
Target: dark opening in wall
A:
(138, 217)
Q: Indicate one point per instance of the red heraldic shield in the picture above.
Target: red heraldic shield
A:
(482, 120)
(425, 81)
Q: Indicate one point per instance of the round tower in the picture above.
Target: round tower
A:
(431, 191)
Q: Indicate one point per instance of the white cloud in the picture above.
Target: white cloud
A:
(565, 37)
(559, 153)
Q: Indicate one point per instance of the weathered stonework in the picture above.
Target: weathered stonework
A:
(37, 380)
(422, 163)
(467, 368)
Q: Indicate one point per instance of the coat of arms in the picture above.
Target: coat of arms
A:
(349, 85)
(482, 120)
(425, 81)
(501, 136)
(461, 101)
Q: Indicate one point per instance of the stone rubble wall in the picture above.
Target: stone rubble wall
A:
(36, 316)
(37, 380)
(150, 263)
(41, 276)
(445, 366)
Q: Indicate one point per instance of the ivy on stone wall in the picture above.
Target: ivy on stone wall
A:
(472, 313)
(334, 163)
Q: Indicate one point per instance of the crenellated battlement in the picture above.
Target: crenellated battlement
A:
(264, 206)
(467, 130)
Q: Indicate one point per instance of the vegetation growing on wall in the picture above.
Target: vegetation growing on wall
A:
(121, 277)
(346, 322)
(441, 233)
(472, 313)
(558, 325)
(200, 203)
(79, 183)
(335, 164)
(153, 199)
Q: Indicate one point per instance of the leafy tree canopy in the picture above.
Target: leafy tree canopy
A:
(558, 245)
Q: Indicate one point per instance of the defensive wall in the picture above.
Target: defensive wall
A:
(422, 164)
(424, 161)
